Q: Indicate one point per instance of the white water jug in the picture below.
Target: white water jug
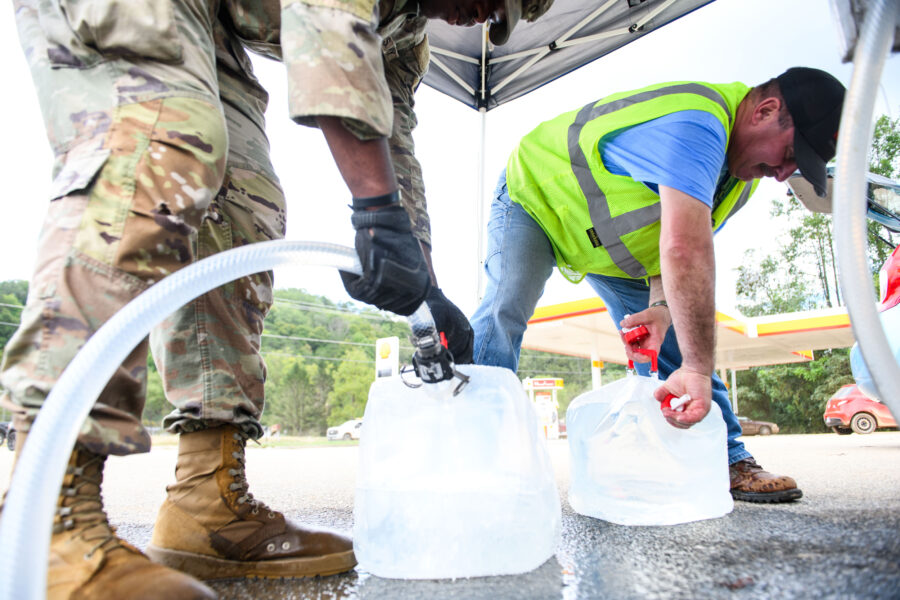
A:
(629, 466)
(453, 486)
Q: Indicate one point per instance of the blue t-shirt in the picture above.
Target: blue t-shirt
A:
(684, 150)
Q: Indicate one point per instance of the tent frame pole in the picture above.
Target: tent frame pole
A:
(482, 156)
(479, 207)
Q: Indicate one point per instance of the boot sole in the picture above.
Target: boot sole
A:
(207, 567)
(768, 497)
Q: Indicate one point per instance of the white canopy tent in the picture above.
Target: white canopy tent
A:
(571, 34)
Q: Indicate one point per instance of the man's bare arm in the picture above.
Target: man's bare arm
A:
(689, 275)
(687, 261)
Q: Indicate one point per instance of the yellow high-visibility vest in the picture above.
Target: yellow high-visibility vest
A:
(599, 222)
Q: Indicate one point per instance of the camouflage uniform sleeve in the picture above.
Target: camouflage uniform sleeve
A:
(332, 52)
(406, 57)
(257, 23)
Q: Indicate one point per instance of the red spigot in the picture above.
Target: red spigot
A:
(667, 401)
(679, 402)
(635, 335)
(645, 352)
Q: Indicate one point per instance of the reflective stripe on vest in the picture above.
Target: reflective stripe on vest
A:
(745, 195)
(610, 229)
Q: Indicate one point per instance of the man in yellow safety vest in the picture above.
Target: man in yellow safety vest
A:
(627, 192)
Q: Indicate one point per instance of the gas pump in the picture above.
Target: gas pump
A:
(542, 392)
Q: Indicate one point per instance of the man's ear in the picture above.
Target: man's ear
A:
(767, 108)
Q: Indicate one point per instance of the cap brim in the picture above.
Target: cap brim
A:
(810, 164)
(807, 195)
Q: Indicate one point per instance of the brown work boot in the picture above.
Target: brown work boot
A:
(751, 483)
(88, 560)
(211, 527)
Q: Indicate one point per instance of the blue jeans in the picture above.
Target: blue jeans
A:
(519, 261)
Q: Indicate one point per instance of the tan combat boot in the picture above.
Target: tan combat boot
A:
(211, 527)
(88, 560)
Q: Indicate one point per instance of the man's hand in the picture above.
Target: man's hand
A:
(657, 321)
(684, 381)
(395, 276)
(451, 321)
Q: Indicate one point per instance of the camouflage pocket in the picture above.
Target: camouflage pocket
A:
(78, 173)
(82, 33)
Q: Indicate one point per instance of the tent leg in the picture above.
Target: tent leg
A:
(734, 397)
(479, 208)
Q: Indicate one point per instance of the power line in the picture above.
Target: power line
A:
(331, 358)
(543, 372)
(9, 324)
(368, 362)
(554, 357)
(19, 306)
(306, 339)
(335, 309)
(410, 348)
(332, 311)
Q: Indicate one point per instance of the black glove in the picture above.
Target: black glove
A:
(450, 321)
(395, 276)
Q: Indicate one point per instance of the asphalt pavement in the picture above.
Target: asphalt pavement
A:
(841, 540)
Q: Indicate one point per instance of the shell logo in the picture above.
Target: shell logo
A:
(384, 350)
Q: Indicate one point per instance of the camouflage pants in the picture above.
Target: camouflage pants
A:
(152, 171)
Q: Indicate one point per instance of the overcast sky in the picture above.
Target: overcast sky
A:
(728, 40)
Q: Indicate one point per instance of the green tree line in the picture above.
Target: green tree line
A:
(801, 274)
(12, 301)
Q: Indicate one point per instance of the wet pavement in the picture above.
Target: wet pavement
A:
(841, 540)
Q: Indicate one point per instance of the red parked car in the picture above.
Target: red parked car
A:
(849, 410)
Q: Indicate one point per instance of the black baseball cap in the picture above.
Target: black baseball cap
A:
(815, 100)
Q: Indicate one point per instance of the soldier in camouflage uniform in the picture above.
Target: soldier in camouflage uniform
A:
(156, 122)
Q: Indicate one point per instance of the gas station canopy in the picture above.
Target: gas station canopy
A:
(584, 328)
(465, 66)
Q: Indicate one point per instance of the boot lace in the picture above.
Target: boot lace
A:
(240, 478)
(85, 511)
(748, 465)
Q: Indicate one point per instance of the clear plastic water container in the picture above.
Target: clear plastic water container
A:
(890, 322)
(629, 466)
(453, 486)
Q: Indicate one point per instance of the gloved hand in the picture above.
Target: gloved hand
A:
(450, 321)
(395, 276)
